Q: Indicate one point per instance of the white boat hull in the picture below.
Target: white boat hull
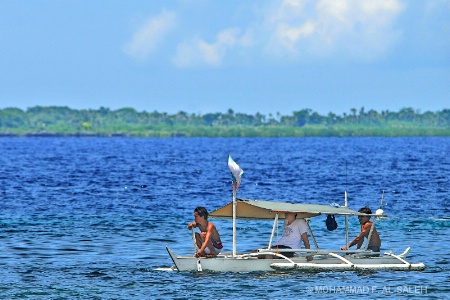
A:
(251, 263)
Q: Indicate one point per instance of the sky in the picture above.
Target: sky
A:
(208, 56)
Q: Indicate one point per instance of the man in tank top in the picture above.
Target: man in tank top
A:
(208, 240)
(375, 241)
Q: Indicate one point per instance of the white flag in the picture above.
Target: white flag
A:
(236, 173)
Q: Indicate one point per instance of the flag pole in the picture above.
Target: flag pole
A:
(236, 173)
(346, 206)
(234, 222)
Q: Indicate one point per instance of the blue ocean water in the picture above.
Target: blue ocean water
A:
(89, 218)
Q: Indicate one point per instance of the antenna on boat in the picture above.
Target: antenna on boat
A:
(380, 211)
(346, 176)
(346, 185)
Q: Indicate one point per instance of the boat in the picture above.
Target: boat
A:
(323, 259)
(271, 259)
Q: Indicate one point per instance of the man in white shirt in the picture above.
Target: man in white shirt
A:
(294, 232)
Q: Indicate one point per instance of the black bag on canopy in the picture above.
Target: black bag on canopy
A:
(331, 223)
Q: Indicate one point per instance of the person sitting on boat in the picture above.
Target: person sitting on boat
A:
(375, 242)
(208, 240)
(294, 232)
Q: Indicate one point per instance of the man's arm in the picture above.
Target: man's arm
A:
(306, 240)
(209, 230)
(359, 240)
(307, 245)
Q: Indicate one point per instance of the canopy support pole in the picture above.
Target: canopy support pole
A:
(370, 233)
(275, 223)
(312, 234)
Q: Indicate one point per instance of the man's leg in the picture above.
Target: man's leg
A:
(198, 240)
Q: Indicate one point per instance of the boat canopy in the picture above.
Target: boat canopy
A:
(262, 209)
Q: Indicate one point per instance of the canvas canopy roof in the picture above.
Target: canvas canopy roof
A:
(262, 209)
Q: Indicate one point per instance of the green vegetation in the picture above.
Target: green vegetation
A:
(63, 121)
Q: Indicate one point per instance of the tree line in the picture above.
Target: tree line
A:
(64, 121)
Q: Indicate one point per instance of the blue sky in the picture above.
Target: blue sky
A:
(199, 56)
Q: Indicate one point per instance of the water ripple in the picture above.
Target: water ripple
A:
(90, 218)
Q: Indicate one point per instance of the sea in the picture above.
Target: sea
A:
(90, 218)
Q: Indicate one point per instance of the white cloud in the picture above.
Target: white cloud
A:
(288, 36)
(287, 9)
(198, 52)
(149, 36)
(362, 28)
(355, 29)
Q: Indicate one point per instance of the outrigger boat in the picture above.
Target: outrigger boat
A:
(272, 259)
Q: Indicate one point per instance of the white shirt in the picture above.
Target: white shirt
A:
(292, 233)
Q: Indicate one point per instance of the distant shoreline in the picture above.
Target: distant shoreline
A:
(51, 135)
(246, 133)
(55, 121)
